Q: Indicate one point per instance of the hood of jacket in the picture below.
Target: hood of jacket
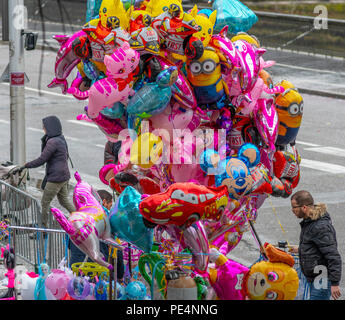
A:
(318, 211)
(53, 126)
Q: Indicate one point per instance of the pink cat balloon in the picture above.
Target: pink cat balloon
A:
(117, 86)
(88, 224)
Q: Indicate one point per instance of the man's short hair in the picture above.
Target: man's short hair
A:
(302, 198)
(105, 195)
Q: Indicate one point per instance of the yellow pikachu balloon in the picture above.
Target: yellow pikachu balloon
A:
(110, 9)
(205, 24)
(157, 7)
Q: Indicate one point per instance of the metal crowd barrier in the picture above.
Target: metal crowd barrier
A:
(18, 208)
(21, 213)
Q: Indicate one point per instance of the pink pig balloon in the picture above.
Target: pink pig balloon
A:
(56, 283)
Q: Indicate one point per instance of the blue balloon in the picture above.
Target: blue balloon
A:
(115, 112)
(206, 12)
(234, 14)
(90, 70)
(153, 97)
(245, 159)
(136, 290)
(92, 9)
(121, 292)
(126, 220)
(207, 165)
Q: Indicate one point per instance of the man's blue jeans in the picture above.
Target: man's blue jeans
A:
(321, 293)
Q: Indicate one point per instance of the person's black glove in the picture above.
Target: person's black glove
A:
(18, 170)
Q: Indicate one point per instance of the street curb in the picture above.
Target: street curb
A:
(322, 93)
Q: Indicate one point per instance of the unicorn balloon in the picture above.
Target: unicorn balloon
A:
(88, 223)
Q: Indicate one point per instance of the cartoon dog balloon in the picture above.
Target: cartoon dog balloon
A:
(274, 279)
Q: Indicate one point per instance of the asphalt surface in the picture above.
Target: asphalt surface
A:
(321, 139)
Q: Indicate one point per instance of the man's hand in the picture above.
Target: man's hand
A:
(293, 248)
(335, 292)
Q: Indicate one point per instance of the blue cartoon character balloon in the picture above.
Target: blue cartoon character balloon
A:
(153, 97)
(126, 220)
(136, 290)
(234, 14)
(233, 172)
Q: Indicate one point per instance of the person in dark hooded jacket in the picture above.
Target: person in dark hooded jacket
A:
(319, 258)
(54, 153)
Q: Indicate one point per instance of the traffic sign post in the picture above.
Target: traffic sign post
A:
(17, 23)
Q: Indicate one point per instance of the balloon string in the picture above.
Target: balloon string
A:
(276, 214)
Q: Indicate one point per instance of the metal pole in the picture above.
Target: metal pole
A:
(5, 20)
(17, 19)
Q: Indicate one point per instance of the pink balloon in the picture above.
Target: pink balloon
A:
(266, 121)
(175, 117)
(228, 277)
(66, 60)
(56, 283)
(88, 224)
(116, 86)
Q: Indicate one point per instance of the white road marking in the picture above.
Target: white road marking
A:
(310, 69)
(336, 85)
(35, 130)
(83, 123)
(307, 143)
(45, 92)
(67, 137)
(328, 150)
(322, 166)
(4, 121)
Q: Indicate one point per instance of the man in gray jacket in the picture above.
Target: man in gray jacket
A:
(55, 155)
(318, 249)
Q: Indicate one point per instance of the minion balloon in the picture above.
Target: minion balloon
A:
(289, 106)
(205, 76)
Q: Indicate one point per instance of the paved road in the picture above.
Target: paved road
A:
(321, 143)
